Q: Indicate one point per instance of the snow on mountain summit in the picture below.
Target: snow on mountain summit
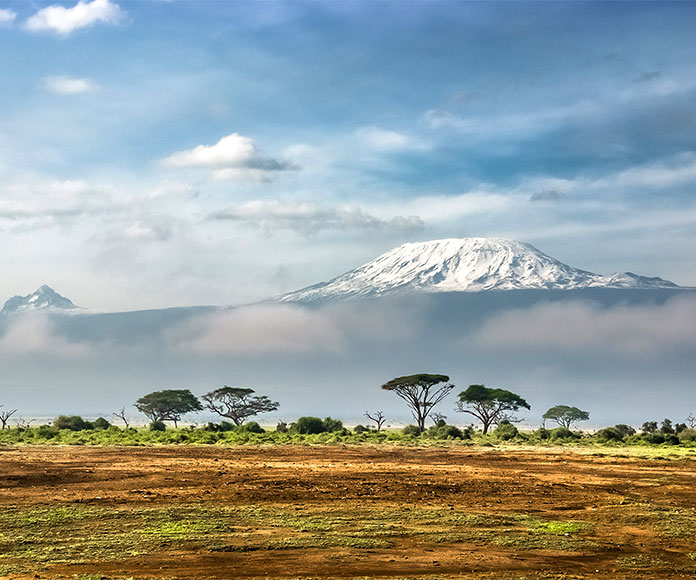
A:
(45, 298)
(465, 265)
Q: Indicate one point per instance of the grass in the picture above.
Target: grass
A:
(84, 534)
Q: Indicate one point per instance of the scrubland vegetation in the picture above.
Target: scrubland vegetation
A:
(74, 430)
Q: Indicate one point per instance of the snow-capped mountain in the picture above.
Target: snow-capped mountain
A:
(465, 265)
(45, 298)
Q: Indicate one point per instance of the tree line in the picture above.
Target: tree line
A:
(421, 393)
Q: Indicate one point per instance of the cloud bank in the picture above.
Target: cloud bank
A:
(582, 328)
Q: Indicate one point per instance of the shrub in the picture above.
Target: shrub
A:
(411, 430)
(561, 433)
(449, 432)
(625, 430)
(46, 431)
(609, 434)
(505, 431)
(282, 427)
(308, 426)
(251, 427)
(332, 425)
(542, 434)
(158, 426)
(687, 435)
(73, 423)
(655, 438)
(101, 423)
(360, 429)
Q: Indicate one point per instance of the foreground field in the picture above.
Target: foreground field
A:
(344, 512)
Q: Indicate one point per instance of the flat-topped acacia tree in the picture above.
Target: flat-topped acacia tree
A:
(565, 416)
(490, 406)
(421, 393)
(168, 405)
(237, 404)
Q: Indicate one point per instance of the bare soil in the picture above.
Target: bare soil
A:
(344, 512)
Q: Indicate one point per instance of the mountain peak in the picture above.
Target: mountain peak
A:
(465, 265)
(44, 298)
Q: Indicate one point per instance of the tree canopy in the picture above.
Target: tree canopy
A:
(421, 393)
(168, 405)
(237, 403)
(490, 406)
(565, 416)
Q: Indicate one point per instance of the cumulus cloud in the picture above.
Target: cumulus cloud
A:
(586, 327)
(64, 85)
(32, 334)
(7, 16)
(307, 217)
(64, 21)
(232, 157)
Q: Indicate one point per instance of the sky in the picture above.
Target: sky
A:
(171, 153)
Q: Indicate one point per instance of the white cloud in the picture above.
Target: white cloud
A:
(7, 16)
(576, 327)
(64, 21)
(63, 85)
(307, 217)
(232, 157)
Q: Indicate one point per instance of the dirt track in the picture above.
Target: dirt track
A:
(343, 512)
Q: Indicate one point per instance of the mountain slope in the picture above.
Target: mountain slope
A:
(45, 298)
(465, 265)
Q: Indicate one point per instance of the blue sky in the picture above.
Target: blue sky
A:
(171, 153)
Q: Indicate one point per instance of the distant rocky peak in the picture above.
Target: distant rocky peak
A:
(44, 298)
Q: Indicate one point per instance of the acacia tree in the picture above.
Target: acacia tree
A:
(377, 417)
(168, 405)
(5, 415)
(565, 416)
(236, 403)
(421, 393)
(490, 406)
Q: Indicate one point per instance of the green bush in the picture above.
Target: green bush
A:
(654, 438)
(308, 426)
(46, 431)
(561, 433)
(411, 430)
(73, 423)
(251, 427)
(687, 435)
(505, 431)
(609, 434)
(158, 426)
(101, 423)
(542, 434)
(625, 430)
(332, 425)
(282, 427)
(360, 429)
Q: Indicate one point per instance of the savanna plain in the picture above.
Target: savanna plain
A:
(344, 511)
